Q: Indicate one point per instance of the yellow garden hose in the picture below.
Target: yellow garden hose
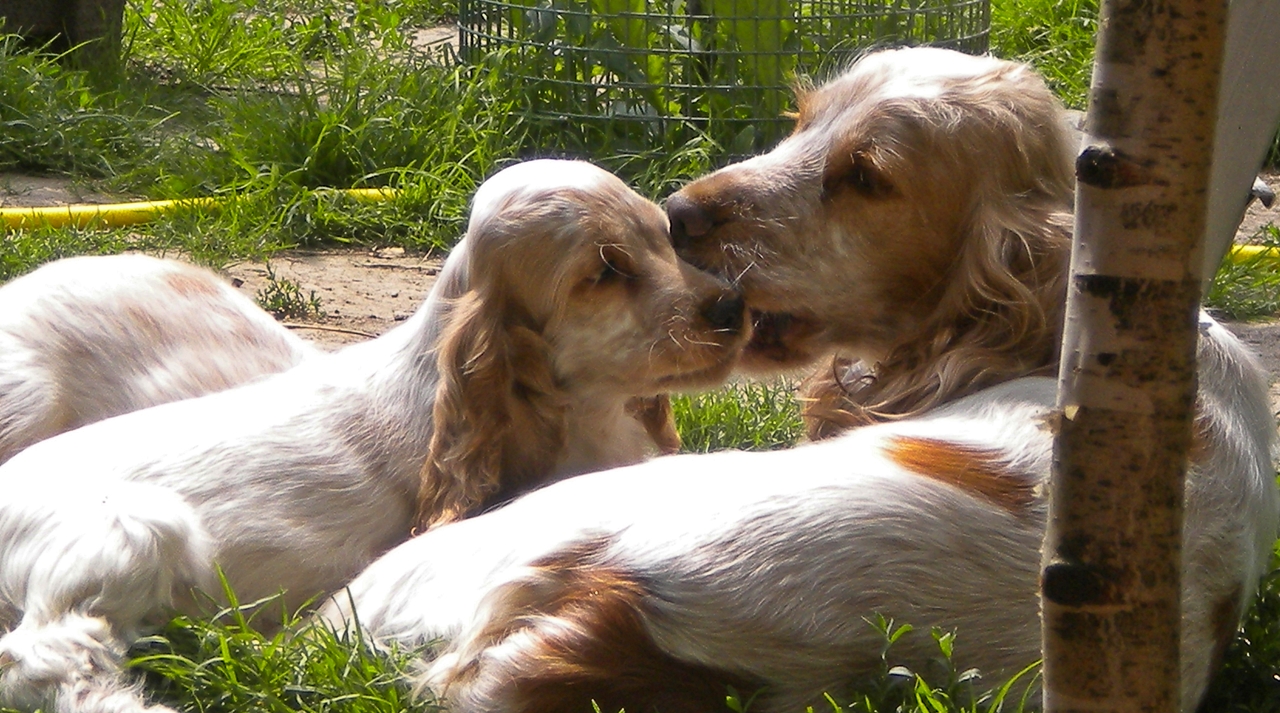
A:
(117, 214)
(1245, 253)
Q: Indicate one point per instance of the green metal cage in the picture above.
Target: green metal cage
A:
(645, 73)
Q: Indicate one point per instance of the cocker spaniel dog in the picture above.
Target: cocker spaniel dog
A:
(563, 305)
(86, 338)
(916, 218)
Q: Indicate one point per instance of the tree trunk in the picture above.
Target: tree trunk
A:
(90, 30)
(1110, 584)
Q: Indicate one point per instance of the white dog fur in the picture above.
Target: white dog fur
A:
(297, 481)
(651, 587)
(919, 217)
(86, 338)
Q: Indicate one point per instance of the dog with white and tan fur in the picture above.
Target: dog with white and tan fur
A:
(557, 321)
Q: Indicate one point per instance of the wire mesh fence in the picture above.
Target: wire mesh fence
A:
(645, 73)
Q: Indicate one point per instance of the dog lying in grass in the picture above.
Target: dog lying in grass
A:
(918, 218)
(563, 305)
(87, 338)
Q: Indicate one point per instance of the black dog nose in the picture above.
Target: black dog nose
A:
(725, 313)
(689, 221)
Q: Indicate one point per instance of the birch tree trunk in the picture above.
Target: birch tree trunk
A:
(1110, 582)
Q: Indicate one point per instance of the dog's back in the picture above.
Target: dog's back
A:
(761, 569)
(83, 339)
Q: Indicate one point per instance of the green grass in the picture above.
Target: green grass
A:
(1249, 289)
(748, 416)
(1054, 36)
(223, 662)
(52, 120)
(225, 666)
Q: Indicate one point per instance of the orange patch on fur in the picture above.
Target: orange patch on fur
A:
(582, 641)
(981, 472)
(187, 285)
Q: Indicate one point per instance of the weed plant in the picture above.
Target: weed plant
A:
(284, 299)
(1249, 288)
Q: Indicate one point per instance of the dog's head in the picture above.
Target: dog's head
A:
(565, 289)
(566, 252)
(910, 183)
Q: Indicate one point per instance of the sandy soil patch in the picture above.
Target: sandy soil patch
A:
(362, 293)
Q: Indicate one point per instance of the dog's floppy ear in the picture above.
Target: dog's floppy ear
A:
(999, 318)
(499, 418)
(655, 414)
(1001, 315)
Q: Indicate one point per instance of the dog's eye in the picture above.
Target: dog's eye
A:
(859, 174)
(609, 273)
(616, 267)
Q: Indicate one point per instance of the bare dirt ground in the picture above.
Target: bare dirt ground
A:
(364, 293)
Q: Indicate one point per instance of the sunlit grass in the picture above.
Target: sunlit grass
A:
(1054, 36)
(1249, 288)
(748, 416)
(224, 662)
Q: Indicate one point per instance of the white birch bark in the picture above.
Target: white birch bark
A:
(1110, 582)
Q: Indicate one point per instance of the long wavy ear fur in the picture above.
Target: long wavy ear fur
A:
(499, 418)
(1000, 318)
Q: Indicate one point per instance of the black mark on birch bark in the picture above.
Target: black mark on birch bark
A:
(1148, 215)
(1073, 584)
(1106, 167)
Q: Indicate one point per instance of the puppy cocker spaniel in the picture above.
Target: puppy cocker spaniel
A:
(918, 219)
(539, 353)
(86, 338)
